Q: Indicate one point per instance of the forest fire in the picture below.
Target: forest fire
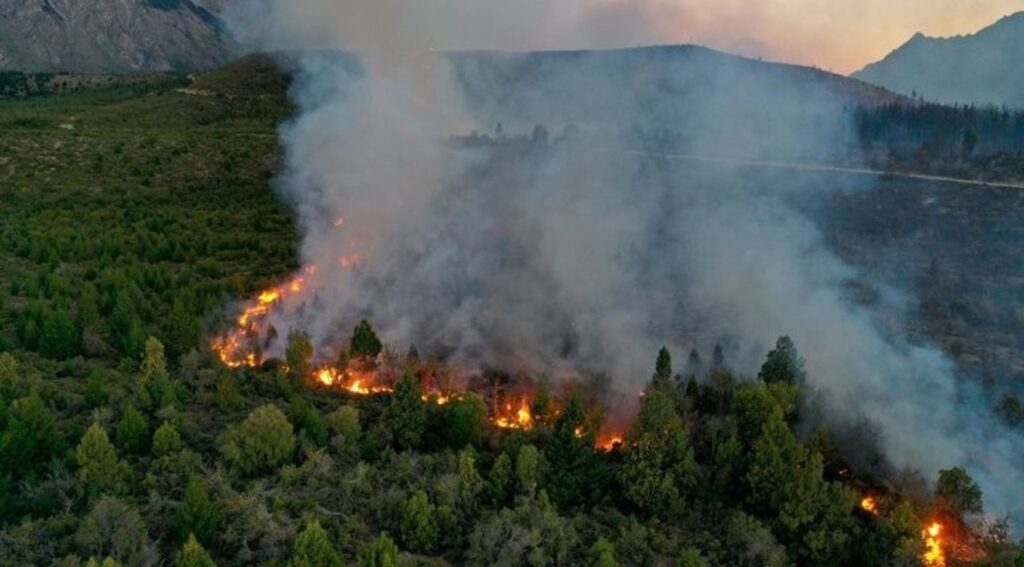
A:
(240, 347)
(236, 349)
(608, 443)
(869, 504)
(515, 418)
(356, 382)
(934, 555)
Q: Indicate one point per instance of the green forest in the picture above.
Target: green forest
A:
(132, 215)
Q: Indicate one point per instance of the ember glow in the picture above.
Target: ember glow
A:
(609, 443)
(869, 504)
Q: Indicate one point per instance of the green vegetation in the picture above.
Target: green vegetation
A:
(124, 441)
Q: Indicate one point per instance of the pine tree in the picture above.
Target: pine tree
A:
(313, 548)
(381, 553)
(9, 380)
(602, 554)
(405, 418)
(540, 408)
(344, 421)
(467, 420)
(581, 477)
(662, 370)
(419, 524)
(132, 430)
(198, 515)
(659, 471)
(192, 554)
(365, 343)
(500, 478)
(528, 469)
(298, 355)
(99, 469)
(262, 442)
(166, 440)
(154, 362)
(958, 490)
(783, 364)
(31, 438)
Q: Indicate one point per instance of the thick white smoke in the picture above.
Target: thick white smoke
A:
(579, 256)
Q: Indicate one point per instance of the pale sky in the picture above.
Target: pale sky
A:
(840, 35)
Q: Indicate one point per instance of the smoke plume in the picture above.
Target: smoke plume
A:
(567, 250)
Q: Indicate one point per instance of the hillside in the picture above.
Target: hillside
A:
(110, 36)
(667, 92)
(137, 214)
(981, 69)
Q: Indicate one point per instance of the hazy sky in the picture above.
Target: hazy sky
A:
(841, 35)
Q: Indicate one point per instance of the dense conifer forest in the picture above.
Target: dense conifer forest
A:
(132, 216)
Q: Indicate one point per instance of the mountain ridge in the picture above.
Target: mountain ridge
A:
(978, 68)
(111, 36)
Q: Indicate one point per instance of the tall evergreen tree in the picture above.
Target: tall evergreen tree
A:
(582, 477)
(192, 554)
(364, 343)
(659, 471)
(198, 515)
(99, 469)
(783, 364)
(154, 362)
(313, 548)
(662, 379)
(405, 418)
(381, 553)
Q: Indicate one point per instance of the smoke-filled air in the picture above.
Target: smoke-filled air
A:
(499, 210)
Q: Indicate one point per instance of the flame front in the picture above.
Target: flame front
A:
(236, 348)
(511, 418)
(933, 556)
(362, 383)
(869, 504)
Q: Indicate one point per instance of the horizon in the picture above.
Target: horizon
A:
(842, 37)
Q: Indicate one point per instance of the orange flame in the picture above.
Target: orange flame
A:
(869, 504)
(234, 349)
(357, 382)
(520, 418)
(609, 443)
(933, 556)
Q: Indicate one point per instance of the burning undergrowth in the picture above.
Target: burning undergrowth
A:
(368, 368)
(562, 252)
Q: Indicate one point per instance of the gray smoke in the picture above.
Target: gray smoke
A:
(581, 254)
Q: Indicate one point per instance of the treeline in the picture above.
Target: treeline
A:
(952, 132)
(214, 467)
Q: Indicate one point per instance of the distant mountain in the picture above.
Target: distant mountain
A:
(983, 68)
(111, 36)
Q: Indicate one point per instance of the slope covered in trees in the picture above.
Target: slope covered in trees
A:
(132, 215)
